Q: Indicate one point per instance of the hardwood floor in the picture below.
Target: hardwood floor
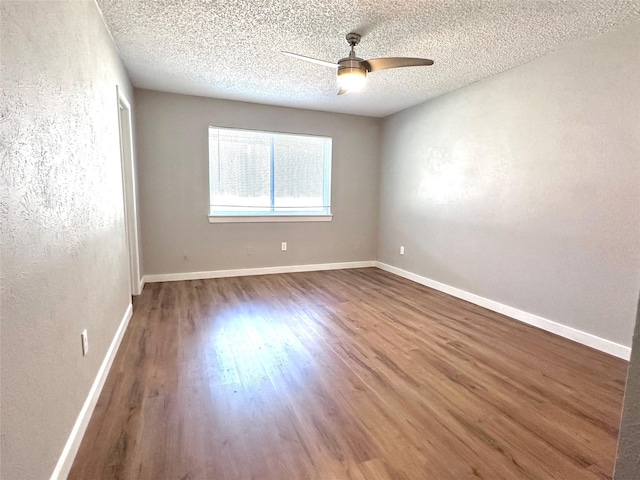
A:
(346, 374)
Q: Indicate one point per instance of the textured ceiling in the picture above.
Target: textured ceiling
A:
(231, 48)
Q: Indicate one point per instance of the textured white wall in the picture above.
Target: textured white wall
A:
(64, 260)
(173, 160)
(524, 188)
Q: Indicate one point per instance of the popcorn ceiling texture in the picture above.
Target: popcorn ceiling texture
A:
(230, 48)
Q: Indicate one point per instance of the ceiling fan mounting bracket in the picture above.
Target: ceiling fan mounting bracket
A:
(353, 39)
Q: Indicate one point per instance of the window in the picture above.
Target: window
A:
(267, 176)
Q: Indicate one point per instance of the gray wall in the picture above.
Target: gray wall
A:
(628, 464)
(524, 188)
(174, 197)
(64, 261)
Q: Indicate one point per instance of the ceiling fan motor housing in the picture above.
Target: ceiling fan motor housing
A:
(351, 65)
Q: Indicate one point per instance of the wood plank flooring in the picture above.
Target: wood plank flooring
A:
(346, 374)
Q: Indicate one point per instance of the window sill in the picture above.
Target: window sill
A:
(268, 218)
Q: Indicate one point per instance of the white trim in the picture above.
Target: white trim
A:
(142, 282)
(579, 336)
(243, 272)
(128, 173)
(63, 467)
(268, 218)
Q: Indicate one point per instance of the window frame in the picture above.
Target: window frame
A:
(267, 217)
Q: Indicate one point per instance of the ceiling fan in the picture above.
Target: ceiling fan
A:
(352, 70)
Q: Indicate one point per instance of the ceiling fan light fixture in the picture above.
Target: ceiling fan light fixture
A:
(352, 79)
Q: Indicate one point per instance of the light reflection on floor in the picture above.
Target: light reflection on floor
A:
(255, 349)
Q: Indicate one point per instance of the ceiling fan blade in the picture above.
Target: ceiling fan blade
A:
(375, 64)
(312, 60)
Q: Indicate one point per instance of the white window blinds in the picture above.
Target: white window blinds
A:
(258, 173)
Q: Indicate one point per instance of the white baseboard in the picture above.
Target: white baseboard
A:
(63, 467)
(141, 286)
(579, 336)
(243, 272)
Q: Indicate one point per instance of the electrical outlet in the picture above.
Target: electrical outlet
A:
(249, 251)
(284, 246)
(85, 342)
(402, 250)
